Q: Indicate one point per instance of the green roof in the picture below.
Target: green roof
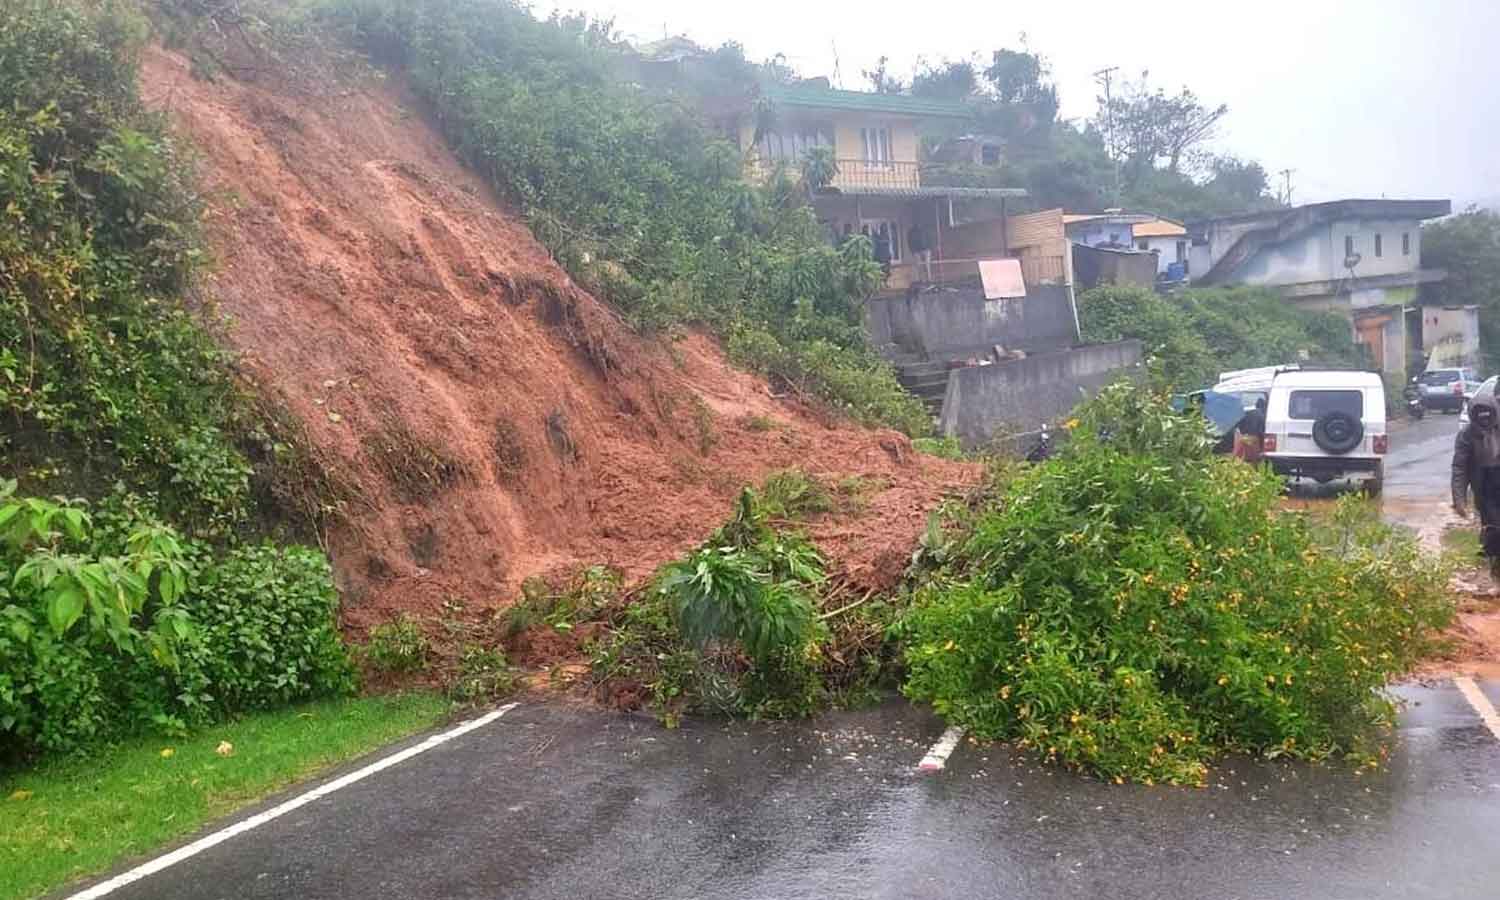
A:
(862, 101)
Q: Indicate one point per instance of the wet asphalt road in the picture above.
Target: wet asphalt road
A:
(558, 802)
(561, 803)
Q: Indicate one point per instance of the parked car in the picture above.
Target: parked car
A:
(1447, 389)
(1463, 414)
(1327, 424)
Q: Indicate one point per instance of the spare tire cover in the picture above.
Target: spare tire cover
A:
(1338, 432)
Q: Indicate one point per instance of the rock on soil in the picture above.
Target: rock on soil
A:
(494, 420)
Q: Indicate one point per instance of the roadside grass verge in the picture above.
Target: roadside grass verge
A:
(1463, 542)
(72, 817)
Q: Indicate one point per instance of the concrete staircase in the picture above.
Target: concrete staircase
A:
(928, 380)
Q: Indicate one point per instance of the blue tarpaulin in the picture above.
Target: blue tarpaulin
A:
(1224, 411)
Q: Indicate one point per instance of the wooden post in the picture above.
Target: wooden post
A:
(937, 234)
(1004, 231)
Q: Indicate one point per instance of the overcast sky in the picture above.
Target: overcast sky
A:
(1374, 98)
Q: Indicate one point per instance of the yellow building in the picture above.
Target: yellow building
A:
(875, 140)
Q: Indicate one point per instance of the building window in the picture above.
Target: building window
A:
(1143, 244)
(1182, 251)
(1378, 246)
(791, 146)
(989, 155)
(1405, 244)
(1348, 245)
(877, 144)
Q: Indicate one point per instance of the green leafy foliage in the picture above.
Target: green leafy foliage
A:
(1198, 333)
(482, 674)
(111, 623)
(398, 646)
(1467, 247)
(732, 628)
(100, 362)
(1137, 605)
(644, 203)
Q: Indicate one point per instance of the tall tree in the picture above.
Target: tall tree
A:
(948, 80)
(1153, 127)
(881, 80)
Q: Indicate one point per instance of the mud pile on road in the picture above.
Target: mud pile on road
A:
(493, 420)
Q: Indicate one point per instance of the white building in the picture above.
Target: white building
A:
(1358, 257)
(1167, 239)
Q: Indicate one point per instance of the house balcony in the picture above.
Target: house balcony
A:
(864, 174)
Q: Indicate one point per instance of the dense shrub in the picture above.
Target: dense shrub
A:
(113, 624)
(1137, 605)
(1196, 334)
(731, 628)
(643, 202)
(101, 365)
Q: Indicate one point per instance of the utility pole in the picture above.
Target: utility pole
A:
(1106, 77)
(1286, 178)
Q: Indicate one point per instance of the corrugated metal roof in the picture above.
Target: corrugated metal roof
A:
(1159, 228)
(863, 101)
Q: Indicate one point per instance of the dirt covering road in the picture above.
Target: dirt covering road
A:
(489, 419)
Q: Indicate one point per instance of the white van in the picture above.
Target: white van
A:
(1327, 424)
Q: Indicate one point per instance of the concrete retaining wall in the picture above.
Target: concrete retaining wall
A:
(952, 322)
(1021, 395)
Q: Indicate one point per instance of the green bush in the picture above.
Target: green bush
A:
(732, 628)
(1196, 334)
(1137, 605)
(115, 624)
(482, 674)
(101, 364)
(398, 646)
(267, 633)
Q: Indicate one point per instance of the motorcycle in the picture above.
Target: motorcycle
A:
(1043, 449)
(1414, 407)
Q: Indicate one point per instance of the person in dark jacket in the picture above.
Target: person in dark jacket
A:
(1476, 468)
(1250, 432)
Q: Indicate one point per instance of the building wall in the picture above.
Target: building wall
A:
(956, 322)
(1165, 249)
(847, 144)
(1095, 233)
(1318, 254)
(1450, 335)
(982, 401)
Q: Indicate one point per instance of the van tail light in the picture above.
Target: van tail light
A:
(1382, 443)
(1268, 444)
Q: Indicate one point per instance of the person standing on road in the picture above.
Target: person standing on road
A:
(1249, 433)
(1476, 468)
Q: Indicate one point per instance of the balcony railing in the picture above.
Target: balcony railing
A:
(862, 173)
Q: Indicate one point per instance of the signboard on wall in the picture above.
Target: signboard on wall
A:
(1002, 279)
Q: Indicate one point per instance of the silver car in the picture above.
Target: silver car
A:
(1447, 388)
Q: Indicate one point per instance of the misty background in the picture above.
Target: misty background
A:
(1381, 98)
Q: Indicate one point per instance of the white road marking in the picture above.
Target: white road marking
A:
(1480, 702)
(151, 867)
(937, 757)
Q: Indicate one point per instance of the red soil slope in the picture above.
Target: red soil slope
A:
(497, 421)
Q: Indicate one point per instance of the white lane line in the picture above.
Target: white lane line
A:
(151, 867)
(1480, 702)
(937, 757)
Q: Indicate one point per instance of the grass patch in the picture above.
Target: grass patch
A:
(76, 817)
(416, 470)
(944, 447)
(1463, 543)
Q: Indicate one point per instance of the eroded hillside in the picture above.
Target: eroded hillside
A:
(494, 420)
